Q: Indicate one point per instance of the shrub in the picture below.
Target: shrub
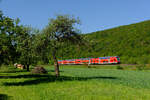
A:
(5, 68)
(120, 67)
(141, 67)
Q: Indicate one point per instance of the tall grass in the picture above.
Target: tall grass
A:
(76, 83)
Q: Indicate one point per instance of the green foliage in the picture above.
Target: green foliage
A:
(120, 67)
(4, 68)
(130, 43)
(59, 32)
(26, 46)
(142, 67)
(8, 29)
(17, 42)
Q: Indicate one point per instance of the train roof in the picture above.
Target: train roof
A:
(89, 58)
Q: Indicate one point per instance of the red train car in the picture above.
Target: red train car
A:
(99, 60)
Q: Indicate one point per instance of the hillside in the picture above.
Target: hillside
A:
(130, 42)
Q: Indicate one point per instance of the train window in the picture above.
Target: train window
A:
(118, 58)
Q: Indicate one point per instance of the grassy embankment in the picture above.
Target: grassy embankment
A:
(75, 84)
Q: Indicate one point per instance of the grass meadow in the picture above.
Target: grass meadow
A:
(75, 83)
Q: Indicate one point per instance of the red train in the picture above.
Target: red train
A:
(99, 60)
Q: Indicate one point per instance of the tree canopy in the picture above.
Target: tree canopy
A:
(8, 29)
(58, 32)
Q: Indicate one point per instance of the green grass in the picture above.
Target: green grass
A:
(75, 83)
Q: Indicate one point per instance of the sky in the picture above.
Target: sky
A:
(95, 15)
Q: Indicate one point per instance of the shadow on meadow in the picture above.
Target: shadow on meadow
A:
(19, 70)
(54, 71)
(4, 97)
(24, 76)
(47, 78)
(13, 71)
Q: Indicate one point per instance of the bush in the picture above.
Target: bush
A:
(120, 67)
(6, 68)
(141, 67)
(39, 70)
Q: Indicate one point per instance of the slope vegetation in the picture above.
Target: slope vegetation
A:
(130, 42)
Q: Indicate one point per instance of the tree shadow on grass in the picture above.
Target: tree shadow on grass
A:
(17, 71)
(54, 71)
(49, 78)
(13, 71)
(4, 97)
(25, 76)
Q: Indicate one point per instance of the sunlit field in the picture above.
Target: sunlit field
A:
(75, 83)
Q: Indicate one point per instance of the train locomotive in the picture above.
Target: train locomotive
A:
(90, 61)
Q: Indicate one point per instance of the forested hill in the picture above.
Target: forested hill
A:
(130, 42)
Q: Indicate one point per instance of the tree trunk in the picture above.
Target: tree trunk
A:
(28, 67)
(56, 65)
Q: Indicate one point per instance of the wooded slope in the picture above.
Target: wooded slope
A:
(130, 42)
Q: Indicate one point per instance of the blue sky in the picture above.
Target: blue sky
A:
(95, 15)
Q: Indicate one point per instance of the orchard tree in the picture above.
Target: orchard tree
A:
(16, 42)
(25, 41)
(7, 32)
(60, 30)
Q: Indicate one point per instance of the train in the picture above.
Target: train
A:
(90, 61)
